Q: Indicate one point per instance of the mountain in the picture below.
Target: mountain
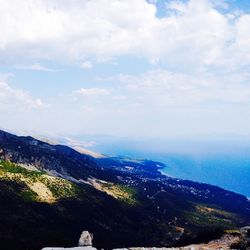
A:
(51, 193)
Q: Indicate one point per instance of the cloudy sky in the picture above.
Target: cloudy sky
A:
(145, 68)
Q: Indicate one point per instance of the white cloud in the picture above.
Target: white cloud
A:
(162, 88)
(119, 98)
(15, 100)
(204, 54)
(20, 110)
(153, 1)
(36, 67)
(194, 33)
(91, 92)
(87, 65)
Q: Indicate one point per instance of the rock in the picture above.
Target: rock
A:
(85, 243)
(245, 233)
(85, 239)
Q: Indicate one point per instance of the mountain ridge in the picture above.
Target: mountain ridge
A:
(123, 202)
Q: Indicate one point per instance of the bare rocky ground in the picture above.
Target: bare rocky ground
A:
(226, 242)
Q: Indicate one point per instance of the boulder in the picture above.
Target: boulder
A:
(85, 239)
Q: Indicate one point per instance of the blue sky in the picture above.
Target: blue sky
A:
(126, 68)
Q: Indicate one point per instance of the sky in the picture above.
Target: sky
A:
(133, 68)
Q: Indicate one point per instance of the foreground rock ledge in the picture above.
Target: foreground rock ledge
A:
(71, 248)
(240, 240)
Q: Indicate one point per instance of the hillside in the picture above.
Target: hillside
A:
(50, 193)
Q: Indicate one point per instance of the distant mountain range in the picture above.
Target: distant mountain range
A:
(50, 193)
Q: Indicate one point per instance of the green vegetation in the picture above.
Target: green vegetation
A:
(38, 185)
(118, 191)
(42, 187)
(56, 205)
(59, 187)
(232, 231)
(10, 167)
(207, 216)
(28, 195)
(121, 192)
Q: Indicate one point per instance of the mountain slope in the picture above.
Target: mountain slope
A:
(60, 159)
(50, 193)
